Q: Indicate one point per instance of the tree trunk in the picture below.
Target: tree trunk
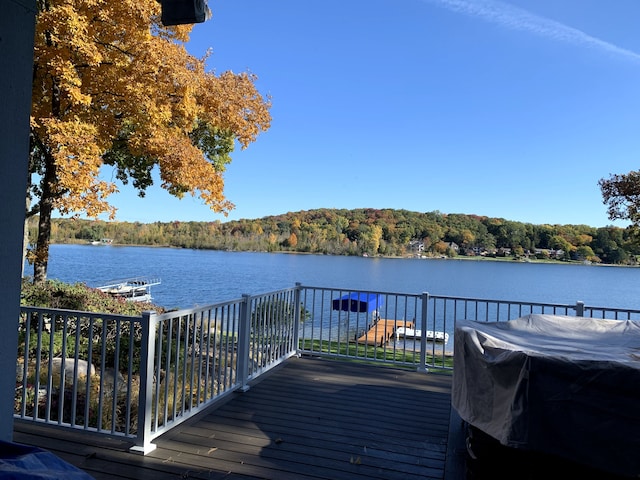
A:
(44, 224)
(25, 239)
(47, 196)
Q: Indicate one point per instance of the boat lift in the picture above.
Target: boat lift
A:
(137, 289)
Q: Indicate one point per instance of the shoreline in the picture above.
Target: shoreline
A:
(477, 258)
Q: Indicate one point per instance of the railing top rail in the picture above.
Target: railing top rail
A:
(211, 306)
(495, 300)
(273, 292)
(196, 309)
(611, 309)
(81, 313)
(346, 290)
(446, 297)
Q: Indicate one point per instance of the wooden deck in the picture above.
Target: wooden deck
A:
(310, 419)
(314, 419)
(381, 331)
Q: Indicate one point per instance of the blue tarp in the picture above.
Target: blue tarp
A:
(23, 462)
(358, 302)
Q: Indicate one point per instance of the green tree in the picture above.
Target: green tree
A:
(585, 252)
(621, 194)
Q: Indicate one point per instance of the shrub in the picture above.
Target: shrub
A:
(78, 296)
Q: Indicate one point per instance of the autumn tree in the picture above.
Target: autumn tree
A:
(293, 240)
(440, 247)
(113, 86)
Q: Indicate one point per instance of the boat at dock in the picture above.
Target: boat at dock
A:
(102, 241)
(136, 289)
(431, 335)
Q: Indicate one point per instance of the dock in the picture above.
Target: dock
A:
(382, 330)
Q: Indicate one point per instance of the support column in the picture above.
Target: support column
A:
(17, 26)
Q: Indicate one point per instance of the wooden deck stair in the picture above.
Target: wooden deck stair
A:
(381, 331)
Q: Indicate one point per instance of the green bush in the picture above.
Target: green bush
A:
(78, 296)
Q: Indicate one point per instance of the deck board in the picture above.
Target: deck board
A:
(311, 419)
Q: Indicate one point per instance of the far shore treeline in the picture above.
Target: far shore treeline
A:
(386, 232)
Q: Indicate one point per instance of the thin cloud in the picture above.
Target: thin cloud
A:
(522, 20)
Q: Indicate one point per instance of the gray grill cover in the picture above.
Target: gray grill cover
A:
(564, 385)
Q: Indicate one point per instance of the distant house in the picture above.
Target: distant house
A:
(453, 246)
(416, 246)
(479, 251)
(549, 252)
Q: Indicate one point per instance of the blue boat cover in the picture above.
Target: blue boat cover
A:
(23, 462)
(358, 302)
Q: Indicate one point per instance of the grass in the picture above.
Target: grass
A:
(385, 354)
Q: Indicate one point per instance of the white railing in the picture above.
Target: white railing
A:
(197, 357)
(138, 377)
(337, 327)
(70, 370)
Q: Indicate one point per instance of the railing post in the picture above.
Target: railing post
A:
(244, 333)
(147, 354)
(296, 321)
(423, 340)
(579, 309)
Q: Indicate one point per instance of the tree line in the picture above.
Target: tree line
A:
(387, 232)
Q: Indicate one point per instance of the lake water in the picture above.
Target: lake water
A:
(202, 277)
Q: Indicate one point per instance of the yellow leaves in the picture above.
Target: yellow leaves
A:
(107, 69)
(77, 160)
(183, 169)
(233, 100)
(70, 81)
(68, 29)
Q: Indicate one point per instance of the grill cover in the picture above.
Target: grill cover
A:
(568, 386)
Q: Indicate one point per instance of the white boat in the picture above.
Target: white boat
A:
(133, 289)
(432, 336)
(104, 241)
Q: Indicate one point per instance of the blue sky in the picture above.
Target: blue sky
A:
(511, 109)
